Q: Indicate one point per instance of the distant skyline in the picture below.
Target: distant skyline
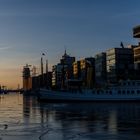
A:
(84, 27)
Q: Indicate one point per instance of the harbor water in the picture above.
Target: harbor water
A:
(24, 118)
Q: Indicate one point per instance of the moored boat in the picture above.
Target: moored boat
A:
(124, 91)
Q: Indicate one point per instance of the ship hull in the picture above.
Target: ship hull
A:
(86, 96)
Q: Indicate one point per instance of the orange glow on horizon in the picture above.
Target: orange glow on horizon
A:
(11, 78)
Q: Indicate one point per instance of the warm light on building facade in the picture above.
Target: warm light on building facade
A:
(137, 54)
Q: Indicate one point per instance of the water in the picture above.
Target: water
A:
(24, 118)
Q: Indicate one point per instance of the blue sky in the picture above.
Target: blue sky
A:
(84, 27)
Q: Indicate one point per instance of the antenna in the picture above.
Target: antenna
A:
(121, 44)
(65, 49)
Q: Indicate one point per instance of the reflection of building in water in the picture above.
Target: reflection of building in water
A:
(82, 120)
(112, 122)
(33, 114)
(99, 117)
(26, 107)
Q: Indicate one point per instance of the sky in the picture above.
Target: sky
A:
(29, 28)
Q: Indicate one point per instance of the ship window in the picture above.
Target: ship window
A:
(133, 83)
(138, 91)
(138, 83)
(98, 92)
(106, 91)
(124, 83)
(128, 83)
(128, 91)
(119, 91)
(132, 92)
(110, 92)
(102, 91)
(123, 91)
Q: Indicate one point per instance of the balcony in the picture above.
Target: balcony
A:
(136, 32)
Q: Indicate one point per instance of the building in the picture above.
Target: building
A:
(137, 62)
(67, 61)
(27, 80)
(100, 69)
(136, 34)
(35, 82)
(48, 80)
(76, 70)
(120, 64)
(57, 76)
(84, 72)
(87, 72)
(62, 71)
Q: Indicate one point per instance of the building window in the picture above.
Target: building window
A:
(119, 91)
(128, 92)
(123, 91)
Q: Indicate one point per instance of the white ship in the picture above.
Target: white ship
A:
(124, 91)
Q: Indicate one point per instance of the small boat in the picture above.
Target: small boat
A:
(123, 91)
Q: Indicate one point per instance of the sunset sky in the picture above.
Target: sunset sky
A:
(84, 27)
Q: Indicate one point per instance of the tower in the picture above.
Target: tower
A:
(27, 82)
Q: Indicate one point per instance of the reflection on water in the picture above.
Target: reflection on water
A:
(24, 118)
